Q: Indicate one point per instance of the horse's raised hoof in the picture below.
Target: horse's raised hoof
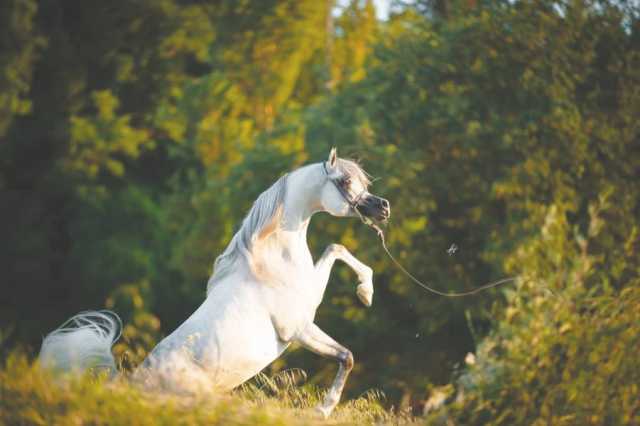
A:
(365, 294)
(323, 412)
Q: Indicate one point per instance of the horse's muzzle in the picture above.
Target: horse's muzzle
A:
(375, 207)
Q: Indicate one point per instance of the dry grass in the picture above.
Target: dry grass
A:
(31, 396)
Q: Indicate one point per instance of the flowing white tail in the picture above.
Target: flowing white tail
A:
(83, 343)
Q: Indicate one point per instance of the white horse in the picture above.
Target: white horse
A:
(262, 296)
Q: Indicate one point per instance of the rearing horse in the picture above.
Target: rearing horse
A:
(262, 296)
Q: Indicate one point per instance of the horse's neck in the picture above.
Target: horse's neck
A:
(301, 202)
(302, 198)
(295, 244)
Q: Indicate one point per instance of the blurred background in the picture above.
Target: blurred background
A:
(135, 135)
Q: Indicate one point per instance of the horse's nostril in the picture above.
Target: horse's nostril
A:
(384, 203)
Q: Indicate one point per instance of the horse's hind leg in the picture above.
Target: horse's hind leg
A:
(319, 342)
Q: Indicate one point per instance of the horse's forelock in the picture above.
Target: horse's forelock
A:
(352, 169)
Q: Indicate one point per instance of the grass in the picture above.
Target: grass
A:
(31, 396)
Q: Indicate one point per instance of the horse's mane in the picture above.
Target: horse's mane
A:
(263, 219)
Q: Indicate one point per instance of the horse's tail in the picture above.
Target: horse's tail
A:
(83, 343)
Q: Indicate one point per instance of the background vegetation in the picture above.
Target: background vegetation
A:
(136, 134)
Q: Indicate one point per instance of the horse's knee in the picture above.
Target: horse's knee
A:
(347, 359)
(335, 248)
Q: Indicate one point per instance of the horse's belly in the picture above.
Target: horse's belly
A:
(220, 346)
(244, 350)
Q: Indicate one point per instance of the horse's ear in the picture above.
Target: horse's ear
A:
(333, 157)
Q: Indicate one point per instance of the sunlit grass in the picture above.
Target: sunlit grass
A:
(31, 396)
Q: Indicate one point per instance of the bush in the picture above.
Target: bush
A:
(565, 350)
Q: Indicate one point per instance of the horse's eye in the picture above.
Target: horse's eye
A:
(346, 182)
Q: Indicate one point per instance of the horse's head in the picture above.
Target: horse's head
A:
(345, 191)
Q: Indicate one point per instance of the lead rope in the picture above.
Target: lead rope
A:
(371, 224)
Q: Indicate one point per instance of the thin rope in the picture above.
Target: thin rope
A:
(420, 283)
(432, 290)
(354, 206)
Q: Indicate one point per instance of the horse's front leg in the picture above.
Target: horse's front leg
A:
(365, 274)
(316, 340)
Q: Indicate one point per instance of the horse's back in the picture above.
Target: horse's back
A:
(226, 341)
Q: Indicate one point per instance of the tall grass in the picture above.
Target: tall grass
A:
(31, 396)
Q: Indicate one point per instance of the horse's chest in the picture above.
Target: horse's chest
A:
(293, 305)
(297, 295)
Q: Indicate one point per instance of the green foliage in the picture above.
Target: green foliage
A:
(136, 135)
(96, 143)
(559, 349)
(562, 351)
(20, 43)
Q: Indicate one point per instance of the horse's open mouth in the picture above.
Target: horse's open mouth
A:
(375, 208)
(382, 216)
